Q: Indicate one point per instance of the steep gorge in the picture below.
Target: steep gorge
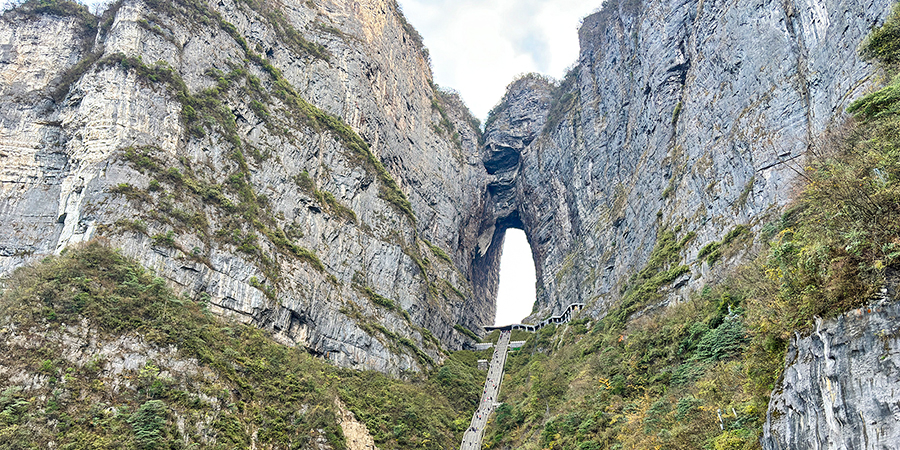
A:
(292, 165)
(683, 115)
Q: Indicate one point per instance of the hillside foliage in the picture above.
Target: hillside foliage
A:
(699, 374)
(203, 382)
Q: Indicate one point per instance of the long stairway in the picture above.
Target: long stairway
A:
(472, 437)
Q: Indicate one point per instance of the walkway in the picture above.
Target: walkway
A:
(472, 436)
(565, 317)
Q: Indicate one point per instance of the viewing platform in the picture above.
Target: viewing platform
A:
(565, 317)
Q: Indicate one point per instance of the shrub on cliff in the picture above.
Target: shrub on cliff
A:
(200, 381)
(699, 374)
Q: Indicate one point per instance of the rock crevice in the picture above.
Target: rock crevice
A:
(679, 115)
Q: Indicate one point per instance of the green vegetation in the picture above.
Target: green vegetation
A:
(206, 110)
(656, 380)
(198, 12)
(450, 288)
(444, 125)
(407, 416)
(447, 98)
(564, 98)
(164, 240)
(245, 387)
(676, 113)
(285, 32)
(669, 190)
(439, 252)
(73, 74)
(660, 380)
(883, 44)
(662, 268)
(267, 290)
(252, 373)
(515, 335)
(359, 149)
(471, 334)
(325, 198)
(378, 299)
(392, 340)
(199, 112)
(390, 190)
(62, 8)
(411, 31)
(89, 26)
(245, 218)
(713, 251)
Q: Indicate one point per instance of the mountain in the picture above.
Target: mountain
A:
(688, 116)
(291, 167)
(293, 164)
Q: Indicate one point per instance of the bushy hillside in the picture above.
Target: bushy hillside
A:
(99, 353)
(699, 374)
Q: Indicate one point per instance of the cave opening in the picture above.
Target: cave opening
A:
(516, 291)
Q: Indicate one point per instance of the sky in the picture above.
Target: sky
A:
(515, 297)
(479, 46)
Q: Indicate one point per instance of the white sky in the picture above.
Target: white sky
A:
(478, 46)
(515, 298)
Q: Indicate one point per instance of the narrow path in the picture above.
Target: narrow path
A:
(472, 437)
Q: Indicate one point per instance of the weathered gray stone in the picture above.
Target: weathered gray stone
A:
(688, 115)
(62, 160)
(839, 389)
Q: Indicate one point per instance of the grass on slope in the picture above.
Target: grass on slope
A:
(228, 386)
(699, 374)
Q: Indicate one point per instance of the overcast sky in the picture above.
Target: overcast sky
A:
(478, 46)
(515, 297)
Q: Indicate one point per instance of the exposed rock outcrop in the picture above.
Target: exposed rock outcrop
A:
(839, 389)
(258, 158)
(689, 116)
(299, 169)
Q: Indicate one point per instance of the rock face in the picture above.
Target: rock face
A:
(686, 116)
(295, 168)
(839, 387)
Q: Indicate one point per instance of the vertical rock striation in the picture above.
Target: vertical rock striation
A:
(294, 167)
(687, 116)
(839, 387)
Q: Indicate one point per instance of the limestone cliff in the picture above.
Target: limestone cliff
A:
(839, 386)
(295, 165)
(690, 117)
(292, 164)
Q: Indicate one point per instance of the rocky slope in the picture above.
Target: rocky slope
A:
(108, 357)
(291, 163)
(296, 165)
(687, 116)
(838, 390)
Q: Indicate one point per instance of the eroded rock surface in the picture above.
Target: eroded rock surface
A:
(687, 116)
(262, 160)
(839, 389)
(217, 144)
